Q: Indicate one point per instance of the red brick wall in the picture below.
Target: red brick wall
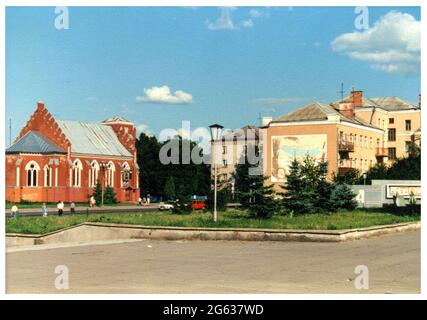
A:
(126, 134)
(63, 191)
(42, 121)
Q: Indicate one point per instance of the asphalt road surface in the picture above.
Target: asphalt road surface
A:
(148, 266)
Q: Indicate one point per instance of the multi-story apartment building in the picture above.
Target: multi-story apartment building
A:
(400, 120)
(229, 151)
(353, 133)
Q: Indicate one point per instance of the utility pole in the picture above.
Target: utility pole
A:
(342, 91)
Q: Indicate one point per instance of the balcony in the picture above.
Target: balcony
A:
(345, 146)
(381, 152)
(343, 170)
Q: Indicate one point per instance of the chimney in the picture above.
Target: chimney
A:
(356, 97)
(346, 109)
(265, 121)
(40, 105)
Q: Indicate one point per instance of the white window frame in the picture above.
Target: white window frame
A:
(35, 168)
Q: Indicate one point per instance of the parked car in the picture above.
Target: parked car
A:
(165, 206)
(198, 204)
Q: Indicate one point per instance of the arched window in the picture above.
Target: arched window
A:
(47, 176)
(125, 174)
(93, 173)
(76, 173)
(111, 168)
(32, 170)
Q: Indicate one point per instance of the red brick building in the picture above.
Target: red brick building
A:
(54, 160)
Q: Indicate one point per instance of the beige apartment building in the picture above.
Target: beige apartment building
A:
(356, 132)
(400, 120)
(229, 151)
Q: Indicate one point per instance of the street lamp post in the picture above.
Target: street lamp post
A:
(215, 135)
(364, 178)
(103, 166)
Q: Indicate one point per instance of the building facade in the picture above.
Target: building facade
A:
(53, 160)
(231, 150)
(355, 133)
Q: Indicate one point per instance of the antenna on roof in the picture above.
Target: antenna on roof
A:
(10, 132)
(342, 91)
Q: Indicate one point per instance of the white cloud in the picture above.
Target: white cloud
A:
(254, 13)
(247, 23)
(224, 22)
(163, 95)
(277, 101)
(391, 45)
(143, 128)
(316, 44)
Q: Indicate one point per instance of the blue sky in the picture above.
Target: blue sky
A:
(229, 66)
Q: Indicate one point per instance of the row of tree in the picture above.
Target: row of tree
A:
(306, 190)
(170, 181)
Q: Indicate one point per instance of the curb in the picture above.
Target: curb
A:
(91, 232)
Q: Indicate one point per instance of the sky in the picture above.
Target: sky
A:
(159, 66)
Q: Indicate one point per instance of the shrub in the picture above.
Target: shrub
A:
(343, 197)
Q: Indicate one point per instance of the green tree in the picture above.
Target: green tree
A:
(109, 195)
(169, 190)
(189, 179)
(147, 150)
(379, 172)
(293, 189)
(242, 182)
(263, 203)
(343, 197)
(250, 186)
(324, 187)
(352, 176)
(97, 193)
(405, 169)
(307, 189)
(223, 198)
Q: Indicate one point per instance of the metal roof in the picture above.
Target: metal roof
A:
(116, 119)
(310, 112)
(390, 103)
(243, 133)
(92, 138)
(34, 142)
(317, 111)
(393, 103)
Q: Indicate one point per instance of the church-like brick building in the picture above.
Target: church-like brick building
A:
(53, 160)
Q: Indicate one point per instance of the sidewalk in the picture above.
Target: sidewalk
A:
(85, 210)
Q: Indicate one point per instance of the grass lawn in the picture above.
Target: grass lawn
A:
(229, 219)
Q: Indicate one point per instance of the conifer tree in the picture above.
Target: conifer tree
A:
(343, 197)
(293, 189)
(97, 193)
(251, 190)
(109, 195)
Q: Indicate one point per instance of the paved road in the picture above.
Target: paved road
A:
(31, 212)
(222, 267)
